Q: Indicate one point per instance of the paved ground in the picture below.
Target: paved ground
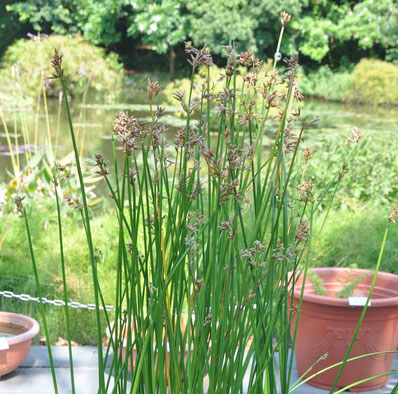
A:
(34, 376)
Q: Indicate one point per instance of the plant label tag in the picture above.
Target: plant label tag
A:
(358, 301)
(4, 343)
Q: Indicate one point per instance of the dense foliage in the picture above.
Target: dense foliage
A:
(326, 84)
(332, 30)
(26, 66)
(369, 178)
(374, 81)
(335, 32)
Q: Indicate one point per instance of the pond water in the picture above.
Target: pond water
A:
(93, 126)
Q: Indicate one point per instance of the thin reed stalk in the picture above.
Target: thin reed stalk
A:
(22, 214)
(56, 62)
(65, 290)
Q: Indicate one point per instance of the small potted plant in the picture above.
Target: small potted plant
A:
(332, 304)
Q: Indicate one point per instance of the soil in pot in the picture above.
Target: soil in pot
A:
(327, 324)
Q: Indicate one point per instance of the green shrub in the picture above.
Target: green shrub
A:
(353, 239)
(372, 170)
(26, 65)
(326, 84)
(375, 82)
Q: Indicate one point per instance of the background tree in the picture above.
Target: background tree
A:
(10, 26)
(96, 21)
(161, 24)
(341, 32)
(338, 33)
(251, 24)
(221, 22)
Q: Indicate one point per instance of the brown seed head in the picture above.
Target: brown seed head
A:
(285, 18)
(60, 167)
(101, 164)
(308, 154)
(56, 63)
(20, 208)
(305, 191)
(303, 232)
(393, 213)
(246, 58)
(198, 56)
(356, 135)
(153, 89)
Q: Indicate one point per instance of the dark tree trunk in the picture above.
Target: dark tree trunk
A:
(172, 61)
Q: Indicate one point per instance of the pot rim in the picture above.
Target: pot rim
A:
(343, 302)
(26, 335)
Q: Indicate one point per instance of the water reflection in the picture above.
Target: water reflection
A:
(93, 126)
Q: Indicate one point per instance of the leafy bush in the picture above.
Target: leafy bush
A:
(26, 66)
(353, 239)
(371, 172)
(375, 82)
(326, 84)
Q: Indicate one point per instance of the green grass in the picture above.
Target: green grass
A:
(16, 270)
(353, 238)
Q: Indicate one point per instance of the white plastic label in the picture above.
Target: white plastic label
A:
(358, 301)
(4, 343)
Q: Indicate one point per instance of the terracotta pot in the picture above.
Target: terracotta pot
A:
(16, 332)
(327, 324)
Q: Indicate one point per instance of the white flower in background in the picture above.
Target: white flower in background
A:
(156, 18)
(153, 26)
(141, 27)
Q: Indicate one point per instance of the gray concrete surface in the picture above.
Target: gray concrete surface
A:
(34, 375)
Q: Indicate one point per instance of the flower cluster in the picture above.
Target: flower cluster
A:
(56, 63)
(305, 191)
(20, 208)
(254, 254)
(356, 135)
(393, 213)
(303, 231)
(285, 18)
(101, 164)
(198, 56)
(308, 154)
(227, 226)
(129, 131)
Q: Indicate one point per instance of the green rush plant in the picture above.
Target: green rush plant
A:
(213, 230)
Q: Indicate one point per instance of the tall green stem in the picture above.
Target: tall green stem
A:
(41, 305)
(101, 366)
(65, 290)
